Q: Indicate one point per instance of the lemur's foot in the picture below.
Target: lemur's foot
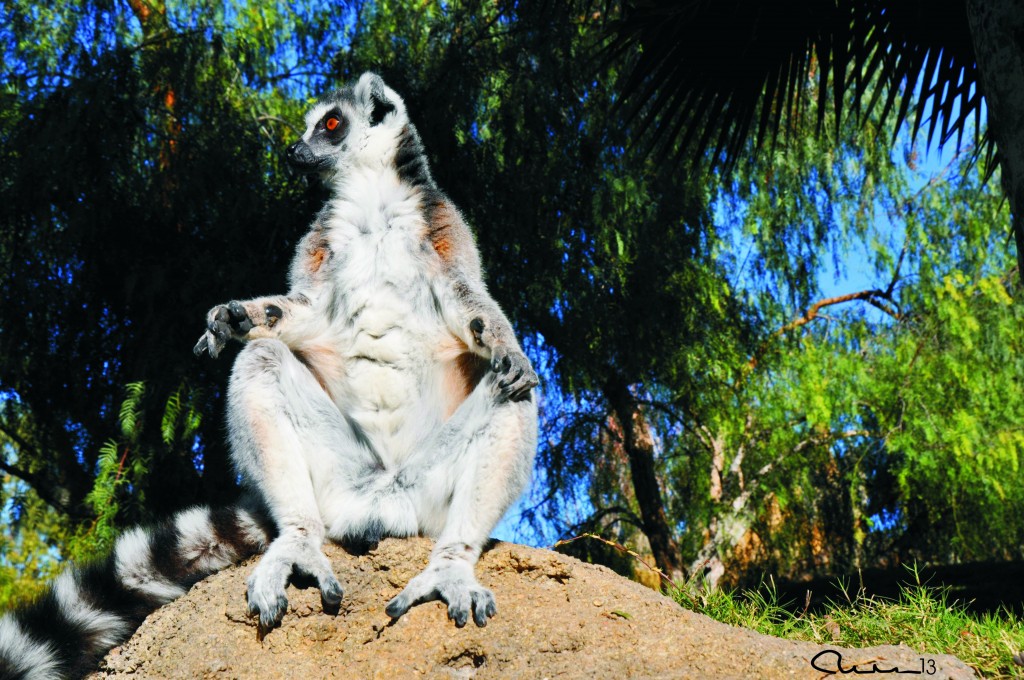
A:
(223, 322)
(452, 582)
(266, 592)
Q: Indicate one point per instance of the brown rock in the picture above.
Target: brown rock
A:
(557, 618)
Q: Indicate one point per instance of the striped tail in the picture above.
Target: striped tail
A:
(89, 609)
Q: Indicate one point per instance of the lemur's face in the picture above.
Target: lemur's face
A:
(352, 125)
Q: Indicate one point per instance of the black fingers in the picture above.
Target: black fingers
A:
(330, 590)
(240, 322)
(518, 387)
(480, 605)
(230, 319)
(225, 322)
(211, 343)
(518, 377)
(463, 603)
(501, 363)
(330, 596)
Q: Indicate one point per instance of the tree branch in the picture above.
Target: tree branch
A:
(874, 297)
(54, 495)
(625, 514)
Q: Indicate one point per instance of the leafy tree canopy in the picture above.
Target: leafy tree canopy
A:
(705, 400)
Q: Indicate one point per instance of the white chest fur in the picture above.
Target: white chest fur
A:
(385, 325)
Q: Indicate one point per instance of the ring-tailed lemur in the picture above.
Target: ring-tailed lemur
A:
(384, 395)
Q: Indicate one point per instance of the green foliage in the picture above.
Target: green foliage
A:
(181, 419)
(125, 148)
(120, 466)
(141, 182)
(853, 433)
(124, 465)
(34, 531)
(956, 419)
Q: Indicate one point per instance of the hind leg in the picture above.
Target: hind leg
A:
(288, 441)
(475, 469)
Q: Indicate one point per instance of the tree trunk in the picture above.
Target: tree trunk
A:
(997, 31)
(639, 447)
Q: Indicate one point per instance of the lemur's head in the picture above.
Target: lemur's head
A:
(355, 125)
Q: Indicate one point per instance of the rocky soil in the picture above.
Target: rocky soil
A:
(557, 618)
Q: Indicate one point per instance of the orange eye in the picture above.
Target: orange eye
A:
(332, 124)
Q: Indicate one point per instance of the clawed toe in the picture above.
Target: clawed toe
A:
(269, 609)
(398, 606)
(458, 613)
(330, 595)
(478, 602)
(464, 596)
(483, 607)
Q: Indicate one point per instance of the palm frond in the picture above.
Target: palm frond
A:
(707, 74)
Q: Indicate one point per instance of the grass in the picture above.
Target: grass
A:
(923, 618)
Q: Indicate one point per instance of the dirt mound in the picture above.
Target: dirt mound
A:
(557, 617)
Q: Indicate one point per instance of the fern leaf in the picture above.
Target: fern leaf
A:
(129, 415)
(171, 412)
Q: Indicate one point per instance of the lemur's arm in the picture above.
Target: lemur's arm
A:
(469, 310)
(290, 318)
(279, 316)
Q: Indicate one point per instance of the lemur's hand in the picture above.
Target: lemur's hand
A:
(223, 322)
(518, 375)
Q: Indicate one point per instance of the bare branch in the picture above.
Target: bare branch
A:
(623, 513)
(896, 271)
(874, 297)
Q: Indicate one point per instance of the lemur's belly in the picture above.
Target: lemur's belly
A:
(404, 371)
(386, 348)
(397, 354)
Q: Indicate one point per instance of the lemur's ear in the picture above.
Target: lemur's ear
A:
(382, 106)
(371, 90)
